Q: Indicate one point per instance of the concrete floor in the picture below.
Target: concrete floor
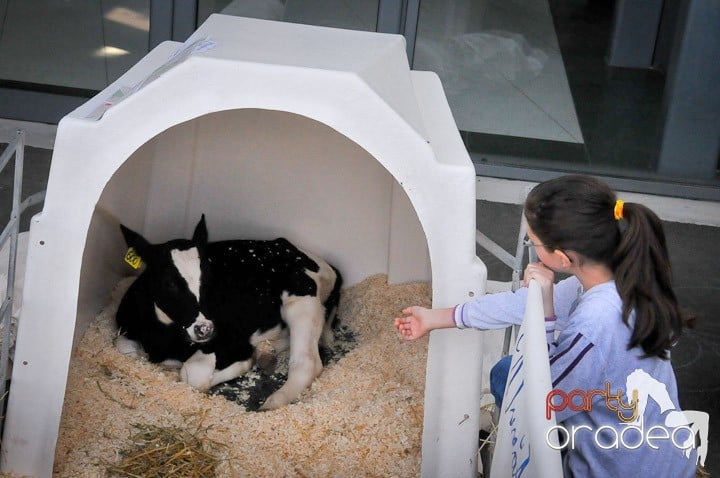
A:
(696, 272)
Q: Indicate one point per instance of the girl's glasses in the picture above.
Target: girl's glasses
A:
(529, 243)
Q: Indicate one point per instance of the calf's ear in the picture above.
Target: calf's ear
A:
(137, 242)
(200, 236)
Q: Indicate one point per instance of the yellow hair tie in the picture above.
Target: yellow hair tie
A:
(618, 211)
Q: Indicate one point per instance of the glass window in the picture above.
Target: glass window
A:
(63, 46)
(352, 15)
(546, 85)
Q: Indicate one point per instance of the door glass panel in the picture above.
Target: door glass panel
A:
(352, 15)
(502, 70)
(539, 84)
(60, 46)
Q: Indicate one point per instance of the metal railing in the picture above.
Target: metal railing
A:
(513, 262)
(10, 233)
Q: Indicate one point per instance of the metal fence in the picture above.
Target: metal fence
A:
(10, 232)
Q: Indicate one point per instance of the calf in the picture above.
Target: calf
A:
(208, 306)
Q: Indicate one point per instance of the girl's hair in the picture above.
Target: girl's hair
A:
(576, 213)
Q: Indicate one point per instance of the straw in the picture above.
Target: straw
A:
(165, 452)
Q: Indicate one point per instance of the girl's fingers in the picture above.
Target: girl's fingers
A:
(537, 271)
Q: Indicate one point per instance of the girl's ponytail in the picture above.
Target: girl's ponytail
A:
(579, 213)
(643, 278)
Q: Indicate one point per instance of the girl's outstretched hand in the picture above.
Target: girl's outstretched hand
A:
(418, 321)
(412, 326)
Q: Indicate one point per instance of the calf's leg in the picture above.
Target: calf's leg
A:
(131, 348)
(199, 371)
(267, 345)
(305, 317)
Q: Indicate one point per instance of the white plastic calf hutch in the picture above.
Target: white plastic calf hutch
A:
(320, 135)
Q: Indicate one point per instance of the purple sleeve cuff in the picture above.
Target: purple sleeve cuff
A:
(458, 316)
(550, 328)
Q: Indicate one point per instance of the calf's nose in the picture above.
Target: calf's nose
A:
(203, 331)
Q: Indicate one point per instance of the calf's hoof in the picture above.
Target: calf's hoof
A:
(171, 364)
(197, 379)
(274, 401)
(198, 371)
(129, 347)
(266, 361)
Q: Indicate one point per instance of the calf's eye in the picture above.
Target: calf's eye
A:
(170, 285)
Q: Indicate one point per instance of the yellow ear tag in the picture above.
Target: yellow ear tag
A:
(133, 259)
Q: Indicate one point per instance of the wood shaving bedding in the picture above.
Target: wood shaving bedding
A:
(361, 417)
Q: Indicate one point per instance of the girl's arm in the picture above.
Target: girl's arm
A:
(488, 312)
(491, 311)
(496, 311)
(418, 321)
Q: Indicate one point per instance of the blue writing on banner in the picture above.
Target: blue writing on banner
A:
(515, 384)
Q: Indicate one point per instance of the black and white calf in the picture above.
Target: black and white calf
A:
(207, 306)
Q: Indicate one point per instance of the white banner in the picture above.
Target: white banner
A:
(521, 448)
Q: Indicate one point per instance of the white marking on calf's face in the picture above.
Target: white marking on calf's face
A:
(162, 316)
(187, 263)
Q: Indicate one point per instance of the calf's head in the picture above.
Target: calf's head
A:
(175, 271)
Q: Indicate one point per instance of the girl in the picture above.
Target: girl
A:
(610, 326)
